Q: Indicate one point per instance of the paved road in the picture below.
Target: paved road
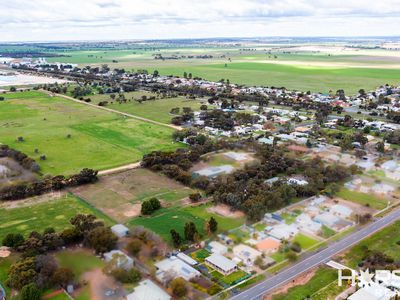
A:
(286, 275)
(114, 111)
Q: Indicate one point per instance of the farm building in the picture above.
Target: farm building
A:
(212, 172)
(148, 290)
(121, 260)
(175, 266)
(120, 230)
(246, 254)
(221, 264)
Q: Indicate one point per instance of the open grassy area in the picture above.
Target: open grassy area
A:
(362, 198)
(73, 136)
(304, 241)
(322, 277)
(120, 195)
(157, 110)
(166, 219)
(53, 213)
(79, 261)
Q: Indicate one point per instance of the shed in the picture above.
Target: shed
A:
(120, 230)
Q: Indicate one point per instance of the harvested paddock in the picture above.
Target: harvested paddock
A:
(120, 195)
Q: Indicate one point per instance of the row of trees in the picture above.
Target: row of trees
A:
(24, 160)
(28, 189)
(191, 233)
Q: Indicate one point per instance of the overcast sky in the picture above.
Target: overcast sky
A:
(43, 20)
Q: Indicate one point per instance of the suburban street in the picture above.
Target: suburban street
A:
(323, 256)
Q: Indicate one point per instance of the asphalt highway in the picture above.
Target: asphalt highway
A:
(317, 258)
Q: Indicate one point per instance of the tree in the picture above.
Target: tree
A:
(22, 273)
(291, 256)
(62, 277)
(176, 238)
(101, 239)
(13, 240)
(155, 203)
(85, 223)
(380, 147)
(178, 287)
(213, 225)
(126, 276)
(195, 197)
(30, 292)
(190, 231)
(134, 247)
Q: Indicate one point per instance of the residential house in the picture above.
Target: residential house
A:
(217, 247)
(174, 267)
(221, 264)
(119, 259)
(268, 245)
(148, 290)
(246, 254)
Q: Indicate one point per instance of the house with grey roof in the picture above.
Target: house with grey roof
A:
(148, 290)
(221, 264)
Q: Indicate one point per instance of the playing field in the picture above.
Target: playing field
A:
(73, 136)
(157, 110)
(54, 213)
(175, 218)
(120, 195)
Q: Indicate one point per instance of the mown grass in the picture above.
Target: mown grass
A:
(304, 241)
(73, 136)
(54, 213)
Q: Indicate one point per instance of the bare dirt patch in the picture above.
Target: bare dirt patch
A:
(4, 252)
(100, 284)
(226, 211)
(300, 280)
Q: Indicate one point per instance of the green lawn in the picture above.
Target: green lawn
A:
(304, 241)
(5, 264)
(166, 219)
(53, 213)
(363, 199)
(327, 232)
(98, 139)
(231, 278)
(200, 255)
(79, 261)
(157, 110)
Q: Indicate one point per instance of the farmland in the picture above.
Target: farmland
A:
(329, 69)
(72, 136)
(156, 110)
(55, 213)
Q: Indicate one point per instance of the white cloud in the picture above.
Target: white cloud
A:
(142, 19)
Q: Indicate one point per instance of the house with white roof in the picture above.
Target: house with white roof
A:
(221, 264)
(120, 230)
(120, 259)
(148, 290)
(341, 211)
(176, 267)
(283, 231)
(217, 247)
(246, 254)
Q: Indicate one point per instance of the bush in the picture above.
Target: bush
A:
(178, 287)
(134, 247)
(13, 240)
(126, 276)
(30, 292)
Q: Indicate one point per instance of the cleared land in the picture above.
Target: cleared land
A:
(166, 219)
(74, 136)
(53, 213)
(362, 198)
(156, 110)
(120, 195)
(316, 68)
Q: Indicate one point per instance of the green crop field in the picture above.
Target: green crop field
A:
(166, 219)
(52, 213)
(302, 70)
(157, 110)
(98, 139)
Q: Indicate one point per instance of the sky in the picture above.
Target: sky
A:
(57, 20)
